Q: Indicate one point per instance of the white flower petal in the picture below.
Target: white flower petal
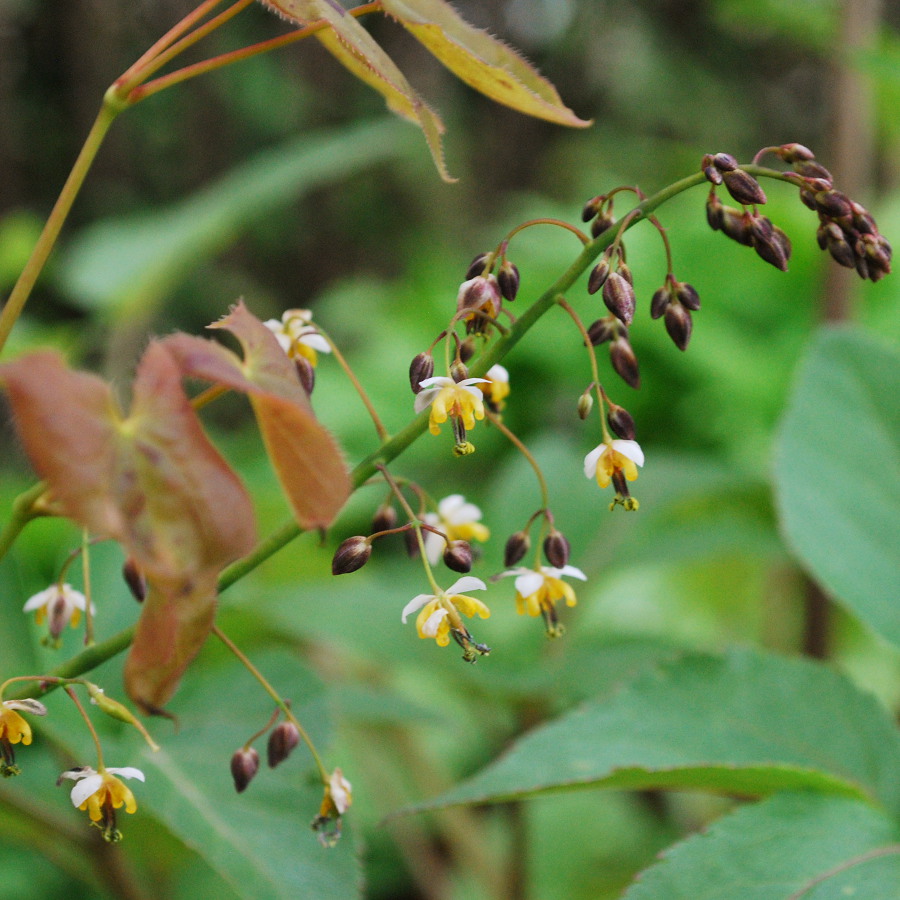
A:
(340, 791)
(128, 772)
(592, 459)
(528, 583)
(433, 622)
(42, 598)
(518, 570)
(425, 398)
(87, 786)
(570, 571)
(470, 381)
(316, 341)
(436, 381)
(78, 773)
(466, 583)
(434, 545)
(630, 450)
(498, 373)
(35, 707)
(74, 598)
(415, 604)
(450, 504)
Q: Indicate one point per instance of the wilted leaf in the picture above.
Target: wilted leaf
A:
(481, 61)
(305, 456)
(355, 49)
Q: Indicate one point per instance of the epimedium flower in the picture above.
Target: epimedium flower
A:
(297, 335)
(460, 401)
(615, 461)
(497, 388)
(101, 794)
(14, 729)
(539, 589)
(336, 801)
(480, 299)
(59, 604)
(459, 520)
(439, 615)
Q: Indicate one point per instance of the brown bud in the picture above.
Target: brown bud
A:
(508, 279)
(862, 268)
(557, 549)
(808, 198)
(725, 162)
(713, 175)
(385, 518)
(601, 331)
(771, 243)
(687, 295)
(516, 547)
(736, 225)
(810, 169)
(834, 204)
(476, 267)
(421, 367)
(351, 555)
(306, 373)
(625, 362)
(585, 405)
(618, 295)
(598, 276)
(458, 371)
(458, 556)
(678, 325)
(791, 153)
(620, 421)
(467, 349)
(714, 211)
(282, 740)
(601, 223)
(135, 580)
(412, 544)
(661, 299)
(833, 239)
(743, 187)
(244, 765)
(591, 208)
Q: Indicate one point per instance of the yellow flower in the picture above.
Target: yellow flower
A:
(14, 729)
(61, 604)
(458, 520)
(298, 336)
(439, 610)
(101, 794)
(462, 401)
(335, 803)
(538, 590)
(605, 460)
(497, 389)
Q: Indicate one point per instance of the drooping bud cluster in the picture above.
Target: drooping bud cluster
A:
(674, 302)
(481, 295)
(598, 211)
(611, 329)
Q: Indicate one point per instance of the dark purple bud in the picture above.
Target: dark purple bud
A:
(810, 169)
(602, 331)
(862, 268)
(713, 175)
(618, 295)
(412, 543)
(306, 373)
(508, 279)
(736, 225)
(725, 162)
(774, 247)
(791, 153)
(351, 555)
(679, 324)
(624, 361)
(467, 349)
(687, 295)
(834, 204)
(841, 251)
(592, 207)
(476, 267)
(420, 368)
(516, 547)
(714, 210)
(744, 188)
(598, 276)
(661, 299)
(556, 549)
(385, 518)
(620, 422)
(135, 580)
(601, 223)
(282, 740)
(625, 271)
(808, 198)
(458, 556)
(244, 765)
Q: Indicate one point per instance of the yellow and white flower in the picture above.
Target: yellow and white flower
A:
(60, 604)
(462, 401)
(14, 729)
(497, 388)
(297, 335)
(607, 459)
(538, 590)
(438, 612)
(459, 520)
(101, 794)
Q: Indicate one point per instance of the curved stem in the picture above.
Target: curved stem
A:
(24, 509)
(90, 725)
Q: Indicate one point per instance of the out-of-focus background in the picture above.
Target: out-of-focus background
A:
(283, 181)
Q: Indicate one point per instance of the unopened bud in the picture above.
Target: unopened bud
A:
(725, 162)
(282, 740)
(556, 549)
(585, 404)
(736, 225)
(618, 295)
(714, 211)
(135, 580)
(601, 331)
(476, 267)
(679, 325)
(306, 373)
(598, 276)
(834, 204)
(411, 542)
(770, 243)
(620, 422)
(244, 765)
(421, 367)
(603, 221)
(744, 187)
(624, 361)
(811, 169)
(713, 175)
(516, 547)
(661, 299)
(508, 279)
(591, 208)
(687, 295)
(458, 371)
(351, 555)
(463, 448)
(385, 518)
(458, 556)
(791, 153)
(467, 349)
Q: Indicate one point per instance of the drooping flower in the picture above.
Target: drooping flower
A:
(101, 794)
(539, 589)
(481, 299)
(59, 604)
(616, 461)
(335, 802)
(462, 401)
(497, 388)
(15, 729)
(439, 613)
(459, 520)
(297, 336)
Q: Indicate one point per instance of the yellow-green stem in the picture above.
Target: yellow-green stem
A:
(90, 725)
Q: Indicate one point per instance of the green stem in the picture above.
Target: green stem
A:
(24, 509)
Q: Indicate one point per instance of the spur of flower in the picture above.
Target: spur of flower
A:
(100, 793)
(439, 614)
(497, 388)
(459, 520)
(462, 401)
(539, 589)
(59, 604)
(297, 335)
(14, 729)
(615, 461)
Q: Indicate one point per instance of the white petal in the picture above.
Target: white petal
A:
(498, 373)
(466, 583)
(518, 570)
(273, 325)
(415, 604)
(435, 381)
(433, 622)
(35, 707)
(630, 450)
(571, 572)
(449, 504)
(425, 398)
(434, 545)
(529, 582)
(316, 341)
(42, 598)
(88, 785)
(77, 774)
(591, 460)
(340, 791)
(74, 598)
(128, 772)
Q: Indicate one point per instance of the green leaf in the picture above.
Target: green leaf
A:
(745, 723)
(837, 474)
(788, 847)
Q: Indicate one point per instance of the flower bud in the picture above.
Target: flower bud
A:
(479, 293)
(687, 295)
(476, 267)
(421, 367)
(458, 371)
(620, 422)
(412, 543)
(516, 547)
(585, 405)
(679, 325)
(351, 555)
(601, 331)
(467, 349)
(661, 299)
(306, 373)
(770, 242)
(618, 295)
(592, 207)
(598, 276)
(508, 279)
(282, 740)
(811, 169)
(624, 361)
(736, 225)
(834, 204)
(714, 211)
(601, 223)
(135, 579)
(385, 518)
(713, 175)
(244, 765)
(725, 162)
(791, 153)
(557, 549)
(743, 187)
(458, 556)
